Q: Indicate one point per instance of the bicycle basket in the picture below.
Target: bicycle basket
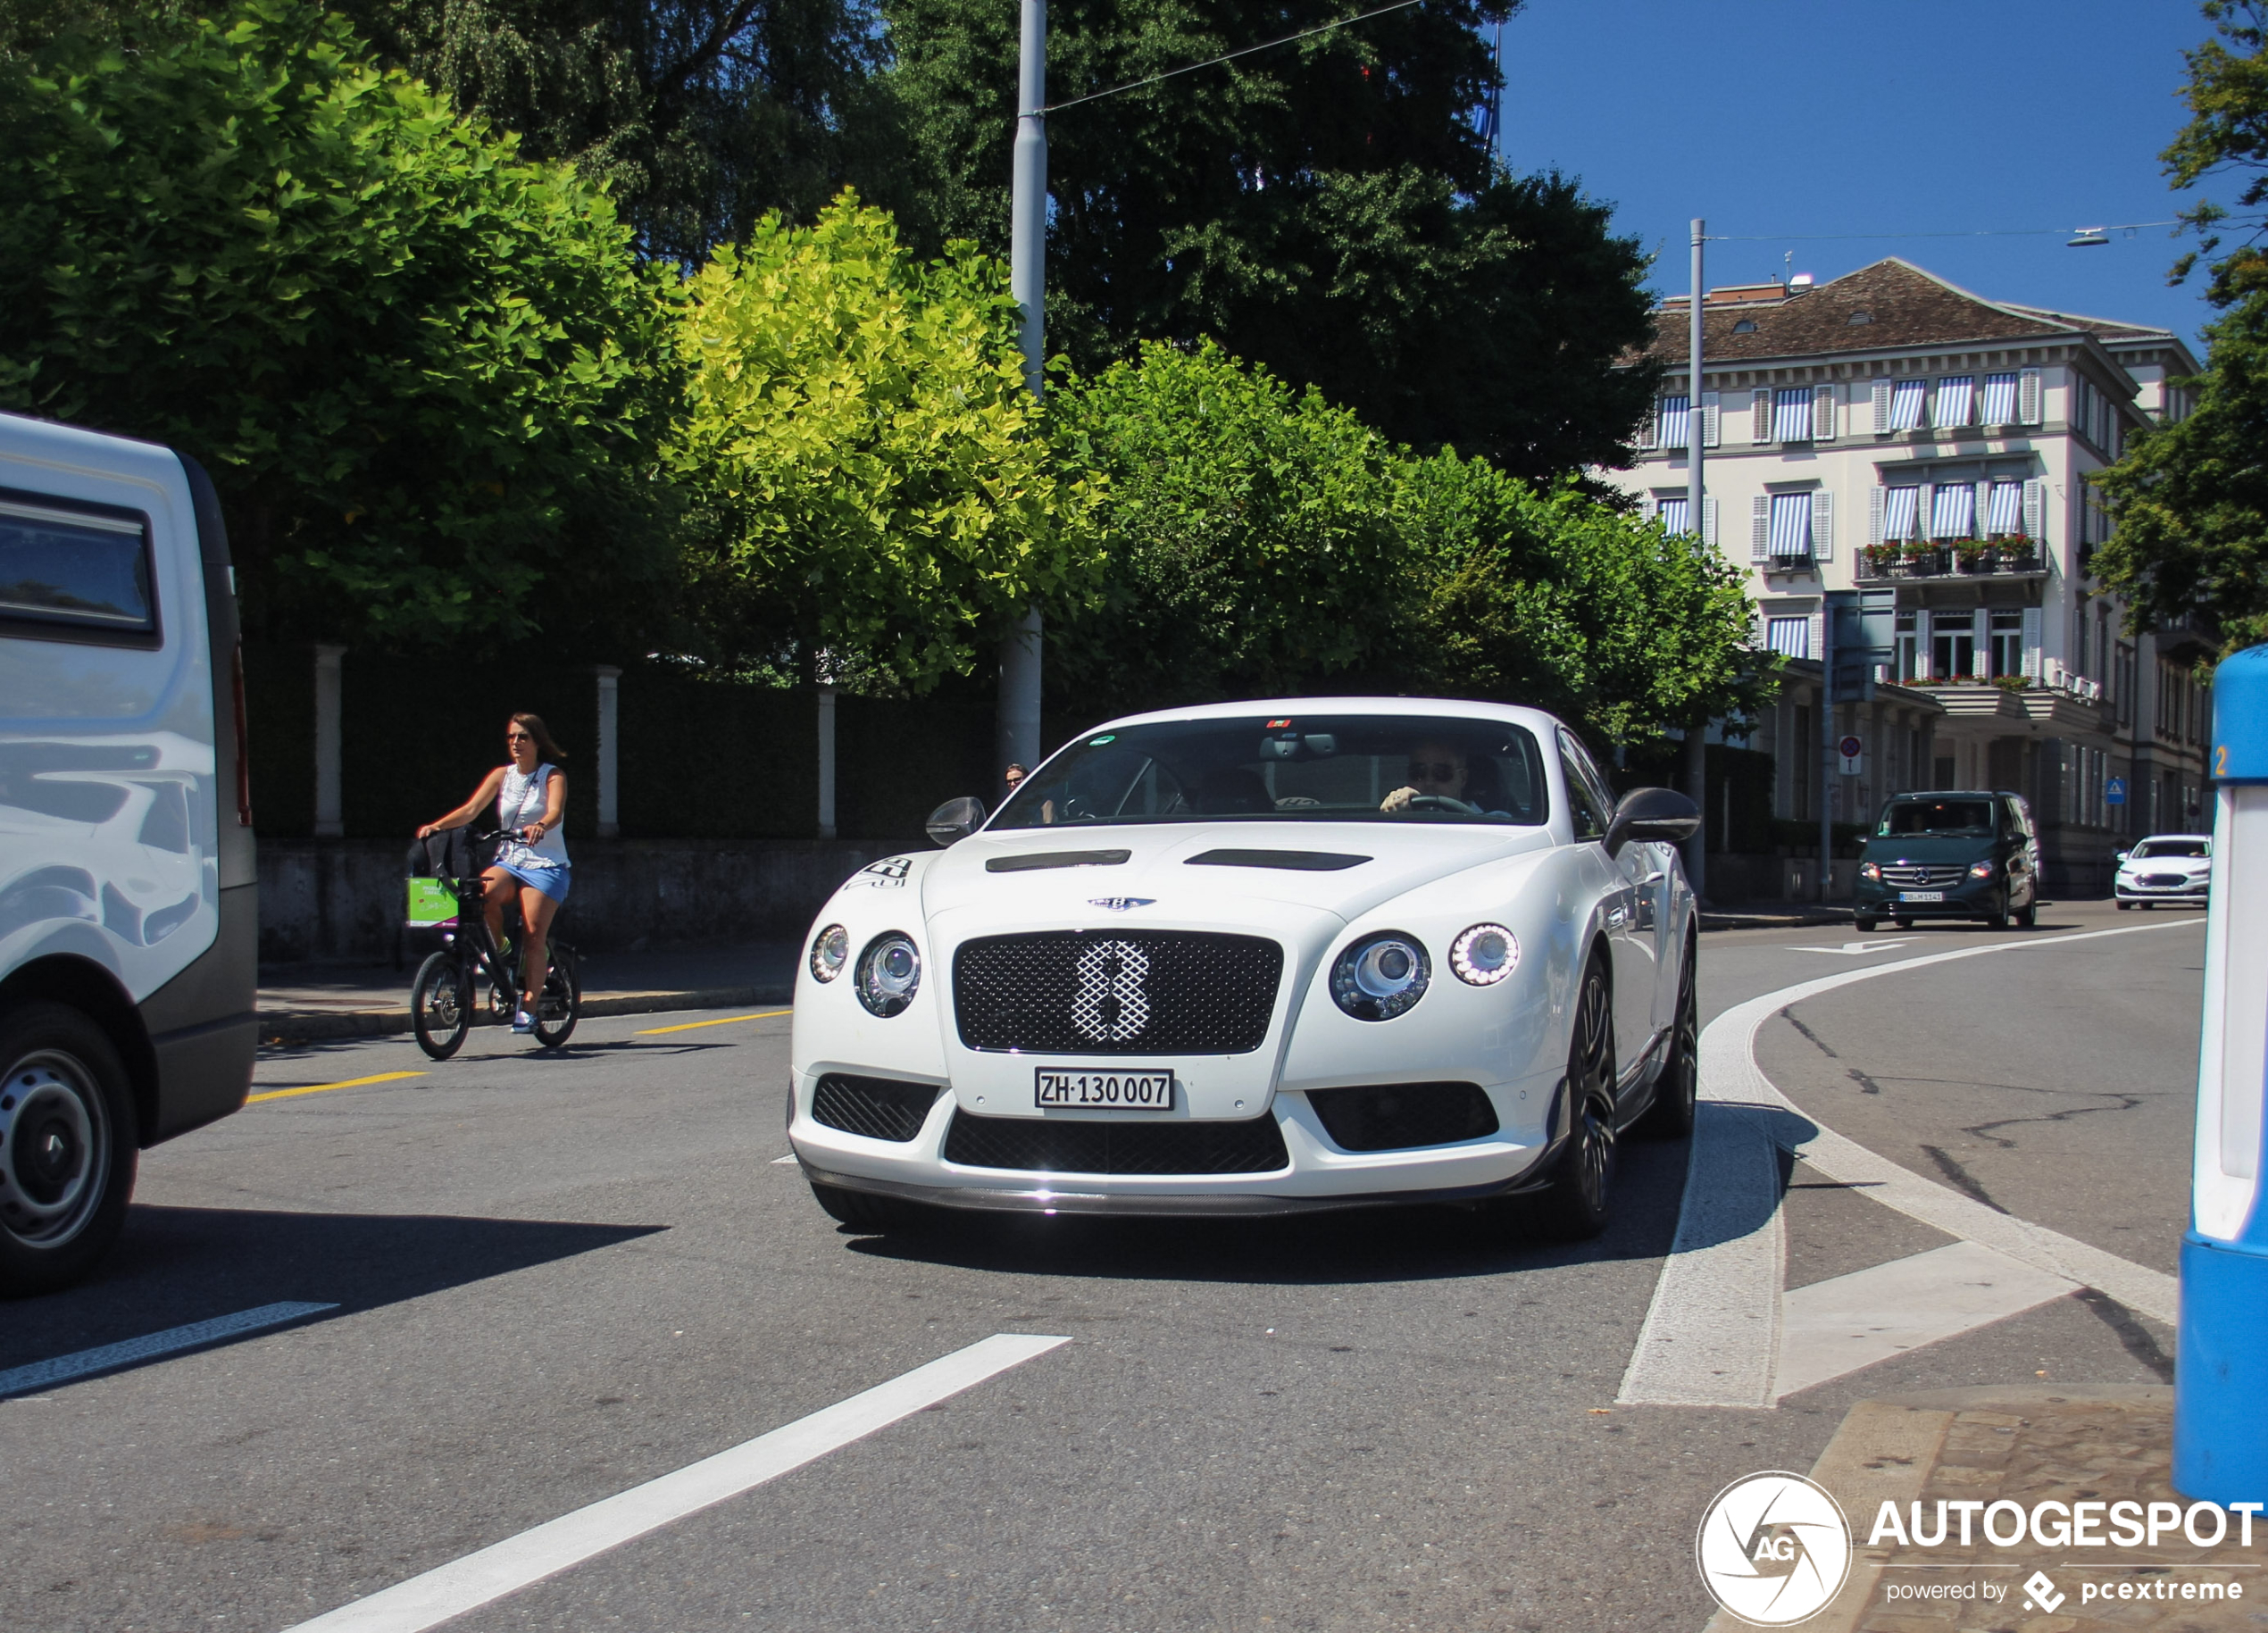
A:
(432, 904)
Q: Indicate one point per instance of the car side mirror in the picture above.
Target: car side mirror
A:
(2123, 855)
(1658, 816)
(956, 819)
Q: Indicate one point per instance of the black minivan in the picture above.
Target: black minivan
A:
(1950, 855)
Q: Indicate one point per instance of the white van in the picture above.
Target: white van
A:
(128, 923)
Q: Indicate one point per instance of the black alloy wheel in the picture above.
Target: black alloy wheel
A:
(66, 1147)
(1574, 1206)
(1679, 1085)
(441, 1005)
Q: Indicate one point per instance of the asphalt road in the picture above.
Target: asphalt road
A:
(556, 1277)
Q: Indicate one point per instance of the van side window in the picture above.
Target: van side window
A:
(1587, 803)
(74, 572)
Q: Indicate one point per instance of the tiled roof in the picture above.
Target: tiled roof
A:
(1889, 304)
(2103, 328)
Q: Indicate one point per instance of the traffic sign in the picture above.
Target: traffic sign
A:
(2114, 791)
(1854, 754)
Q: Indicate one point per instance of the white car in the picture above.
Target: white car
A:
(1259, 958)
(2164, 868)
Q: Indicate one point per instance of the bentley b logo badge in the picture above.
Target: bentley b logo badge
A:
(1120, 903)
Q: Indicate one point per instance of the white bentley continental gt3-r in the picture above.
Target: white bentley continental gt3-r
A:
(1259, 958)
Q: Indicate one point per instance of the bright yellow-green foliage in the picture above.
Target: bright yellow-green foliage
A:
(859, 424)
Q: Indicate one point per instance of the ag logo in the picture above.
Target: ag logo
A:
(888, 874)
(1774, 1549)
(1110, 1005)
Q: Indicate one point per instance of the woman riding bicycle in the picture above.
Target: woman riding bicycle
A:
(530, 796)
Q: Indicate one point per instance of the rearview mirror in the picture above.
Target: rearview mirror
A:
(1658, 816)
(956, 819)
(2123, 855)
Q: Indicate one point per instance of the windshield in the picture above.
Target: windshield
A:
(1337, 768)
(2162, 848)
(1966, 819)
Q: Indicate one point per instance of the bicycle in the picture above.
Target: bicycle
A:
(442, 1009)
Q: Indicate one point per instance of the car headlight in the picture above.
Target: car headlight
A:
(1380, 976)
(889, 973)
(829, 952)
(1983, 870)
(1867, 870)
(1484, 954)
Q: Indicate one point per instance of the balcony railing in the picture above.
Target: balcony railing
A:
(1967, 559)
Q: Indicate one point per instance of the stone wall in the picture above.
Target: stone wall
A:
(342, 900)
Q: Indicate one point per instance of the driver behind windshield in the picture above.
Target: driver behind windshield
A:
(1438, 771)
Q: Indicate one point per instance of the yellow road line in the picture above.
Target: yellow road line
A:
(689, 1026)
(324, 1089)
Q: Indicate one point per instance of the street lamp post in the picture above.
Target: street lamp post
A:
(1018, 734)
(1696, 737)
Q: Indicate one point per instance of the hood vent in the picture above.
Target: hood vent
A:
(1294, 862)
(1036, 860)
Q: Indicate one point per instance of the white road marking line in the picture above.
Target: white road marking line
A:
(1712, 1334)
(62, 1369)
(1840, 1325)
(783, 1161)
(1850, 949)
(518, 1561)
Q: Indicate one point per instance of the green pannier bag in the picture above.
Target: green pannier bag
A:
(431, 902)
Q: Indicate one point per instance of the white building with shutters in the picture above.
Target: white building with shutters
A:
(1890, 433)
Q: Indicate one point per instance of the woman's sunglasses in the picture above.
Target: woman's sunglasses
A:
(518, 736)
(1440, 770)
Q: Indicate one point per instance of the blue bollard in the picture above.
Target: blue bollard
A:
(2220, 1378)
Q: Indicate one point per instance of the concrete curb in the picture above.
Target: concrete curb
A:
(311, 1025)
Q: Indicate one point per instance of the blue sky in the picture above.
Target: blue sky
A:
(1850, 116)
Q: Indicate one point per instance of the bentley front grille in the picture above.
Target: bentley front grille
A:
(1059, 1146)
(1116, 992)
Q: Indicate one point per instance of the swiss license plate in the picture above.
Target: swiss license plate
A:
(1117, 1091)
(1921, 896)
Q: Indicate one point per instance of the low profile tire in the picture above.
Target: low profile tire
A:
(67, 1148)
(1670, 1116)
(1863, 926)
(1574, 1206)
(441, 1005)
(559, 1005)
(864, 1211)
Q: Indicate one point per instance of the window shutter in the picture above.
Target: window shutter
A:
(1881, 407)
(1760, 528)
(1874, 502)
(1758, 636)
(2028, 395)
(1649, 430)
(1760, 409)
(2032, 642)
(1822, 413)
(1983, 526)
(1980, 639)
(1925, 510)
(1818, 636)
(2036, 512)
(1709, 405)
(1709, 524)
(1822, 526)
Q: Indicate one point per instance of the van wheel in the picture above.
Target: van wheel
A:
(1574, 1206)
(2026, 916)
(1903, 924)
(67, 1148)
(1863, 925)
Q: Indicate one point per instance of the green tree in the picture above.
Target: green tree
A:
(428, 378)
(1326, 209)
(1554, 596)
(1249, 530)
(2190, 498)
(873, 479)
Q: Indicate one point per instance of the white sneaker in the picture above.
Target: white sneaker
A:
(523, 1021)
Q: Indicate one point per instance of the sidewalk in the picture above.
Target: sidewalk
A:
(2026, 1444)
(306, 1001)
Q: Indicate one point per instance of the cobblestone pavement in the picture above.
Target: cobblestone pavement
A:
(2027, 1445)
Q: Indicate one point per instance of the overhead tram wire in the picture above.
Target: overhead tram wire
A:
(1983, 232)
(1190, 68)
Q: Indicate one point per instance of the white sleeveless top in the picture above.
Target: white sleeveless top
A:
(520, 803)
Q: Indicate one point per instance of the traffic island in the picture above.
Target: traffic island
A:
(2049, 1457)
